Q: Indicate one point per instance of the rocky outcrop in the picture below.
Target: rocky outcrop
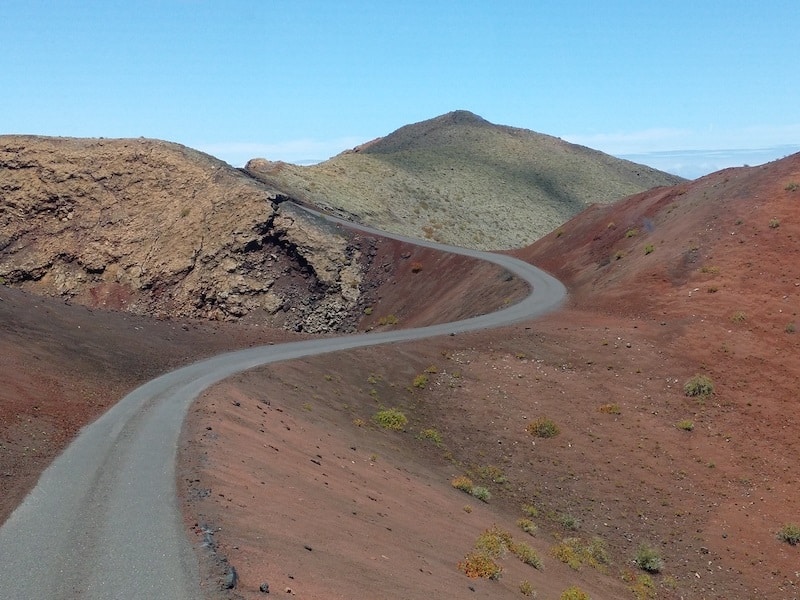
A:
(157, 228)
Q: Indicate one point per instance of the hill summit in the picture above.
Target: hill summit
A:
(458, 178)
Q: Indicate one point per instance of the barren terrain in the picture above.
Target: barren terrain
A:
(304, 491)
(286, 475)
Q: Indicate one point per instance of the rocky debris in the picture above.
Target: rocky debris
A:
(231, 578)
(156, 228)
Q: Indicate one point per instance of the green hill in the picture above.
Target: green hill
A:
(459, 179)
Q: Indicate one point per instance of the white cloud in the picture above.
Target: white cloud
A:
(301, 151)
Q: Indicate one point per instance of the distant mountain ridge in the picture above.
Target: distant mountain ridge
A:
(460, 179)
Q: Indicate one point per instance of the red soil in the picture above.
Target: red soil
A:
(305, 492)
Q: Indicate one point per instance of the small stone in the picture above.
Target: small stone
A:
(264, 588)
(231, 578)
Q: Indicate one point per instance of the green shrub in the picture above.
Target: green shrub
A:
(543, 428)
(774, 223)
(530, 510)
(432, 435)
(526, 554)
(648, 249)
(526, 589)
(391, 418)
(481, 493)
(494, 542)
(631, 233)
(574, 593)
(420, 381)
(790, 533)
(648, 559)
(527, 526)
(685, 424)
(739, 317)
(699, 385)
(569, 522)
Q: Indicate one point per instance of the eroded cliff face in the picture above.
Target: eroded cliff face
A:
(157, 228)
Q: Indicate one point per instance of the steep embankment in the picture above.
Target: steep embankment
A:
(156, 228)
(464, 181)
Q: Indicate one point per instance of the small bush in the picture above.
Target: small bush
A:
(420, 381)
(792, 186)
(790, 328)
(462, 483)
(477, 565)
(648, 249)
(631, 233)
(568, 552)
(526, 589)
(494, 542)
(526, 554)
(388, 320)
(416, 267)
(648, 559)
(391, 418)
(774, 223)
(530, 510)
(527, 526)
(790, 533)
(431, 435)
(738, 317)
(610, 409)
(574, 593)
(699, 385)
(685, 424)
(569, 522)
(481, 493)
(543, 428)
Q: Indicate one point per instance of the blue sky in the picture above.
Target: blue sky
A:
(688, 86)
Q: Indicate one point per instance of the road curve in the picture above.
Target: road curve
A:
(103, 522)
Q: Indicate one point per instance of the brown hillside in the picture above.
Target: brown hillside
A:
(715, 296)
(156, 228)
(459, 179)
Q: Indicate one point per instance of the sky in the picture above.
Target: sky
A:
(686, 86)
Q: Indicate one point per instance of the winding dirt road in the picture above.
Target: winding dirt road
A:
(103, 521)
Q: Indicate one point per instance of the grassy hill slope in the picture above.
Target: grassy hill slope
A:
(459, 179)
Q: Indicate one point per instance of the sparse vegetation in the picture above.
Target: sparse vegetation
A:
(648, 559)
(391, 418)
(774, 223)
(462, 483)
(792, 186)
(790, 327)
(641, 584)
(569, 522)
(633, 232)
(739, 317)
(420, 381)
(526, 589)
(526, 554)
(710, 269)
(530, 510)
(479, 565)
(685, 424)
(648, 249)
(790, 533)
(575, 553)
(431, 435)
(481, 493)
(610, 409)
(543, 428)
(699, 386)
(388, 320)
(619, 254)
(574, 593)
(527, 526)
